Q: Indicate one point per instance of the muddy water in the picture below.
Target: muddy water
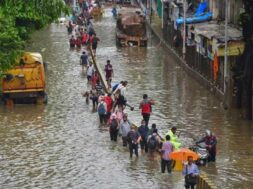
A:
(61, 145)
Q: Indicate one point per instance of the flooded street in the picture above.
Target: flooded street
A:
(61, 145)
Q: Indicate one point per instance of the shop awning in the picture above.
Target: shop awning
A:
(213, 30)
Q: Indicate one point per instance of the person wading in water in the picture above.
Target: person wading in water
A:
(146, 108)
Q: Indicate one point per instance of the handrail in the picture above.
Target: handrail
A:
(100, 73)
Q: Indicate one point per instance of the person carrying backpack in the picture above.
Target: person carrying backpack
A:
(102, 111)
(146, 108)
(153, 143)
(114, 128)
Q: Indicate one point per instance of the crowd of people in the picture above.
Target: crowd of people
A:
(81, 28)
(111, 109)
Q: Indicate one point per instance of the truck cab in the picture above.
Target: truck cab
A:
(25, 81)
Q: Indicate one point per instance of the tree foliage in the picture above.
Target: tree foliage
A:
(18, 19)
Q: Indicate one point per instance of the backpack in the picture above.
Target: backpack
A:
(146, 108)
(152, 143)
(114, 124)
(101, 109)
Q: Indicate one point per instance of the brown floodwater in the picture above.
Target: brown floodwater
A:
(61, 145)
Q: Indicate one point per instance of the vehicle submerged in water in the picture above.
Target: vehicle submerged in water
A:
(25, 82)
(131, 28)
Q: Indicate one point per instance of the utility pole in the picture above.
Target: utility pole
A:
(184, 34)
(162, 14)
(74, 4)
(226, 79)
(226, 47)
(151, 12)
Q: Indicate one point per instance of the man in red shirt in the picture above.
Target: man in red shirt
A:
(146, 108)
(85, 38)
(94, 79)
(78, 42)
(72, 42)
(108, 72)
(109, 102)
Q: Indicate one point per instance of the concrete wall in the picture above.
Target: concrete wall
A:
(218, 9)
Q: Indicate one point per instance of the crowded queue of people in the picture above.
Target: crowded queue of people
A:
(110, 108)
(81, 28)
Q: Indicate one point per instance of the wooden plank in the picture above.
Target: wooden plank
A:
(100, 72)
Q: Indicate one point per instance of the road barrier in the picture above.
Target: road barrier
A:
(204, 183)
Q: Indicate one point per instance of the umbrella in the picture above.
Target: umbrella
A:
(183, 154)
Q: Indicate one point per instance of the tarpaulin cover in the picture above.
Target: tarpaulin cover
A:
(201, 8)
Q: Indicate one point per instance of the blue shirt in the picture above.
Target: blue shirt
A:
(189, 169)
(143, 131)
(84, 59)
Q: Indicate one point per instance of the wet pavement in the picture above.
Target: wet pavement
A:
(61, 145)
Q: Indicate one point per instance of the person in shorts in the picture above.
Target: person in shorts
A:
(108, 72)
(84, 61)
(90, 71)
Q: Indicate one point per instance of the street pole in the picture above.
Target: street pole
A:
(184, 34)
(226, 49)
(74, 4)
(162, 14)
(151, 13)
(226, 100)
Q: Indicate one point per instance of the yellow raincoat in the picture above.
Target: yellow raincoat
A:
(174, 140)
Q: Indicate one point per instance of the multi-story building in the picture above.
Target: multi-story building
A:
(205, 39)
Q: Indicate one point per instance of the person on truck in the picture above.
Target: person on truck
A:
(146, 108)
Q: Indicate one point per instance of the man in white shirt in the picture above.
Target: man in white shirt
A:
(90, 71)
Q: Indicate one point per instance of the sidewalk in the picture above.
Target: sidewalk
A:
(156, 27)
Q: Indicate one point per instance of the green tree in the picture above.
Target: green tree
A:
(18, 19)
(11, 44)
